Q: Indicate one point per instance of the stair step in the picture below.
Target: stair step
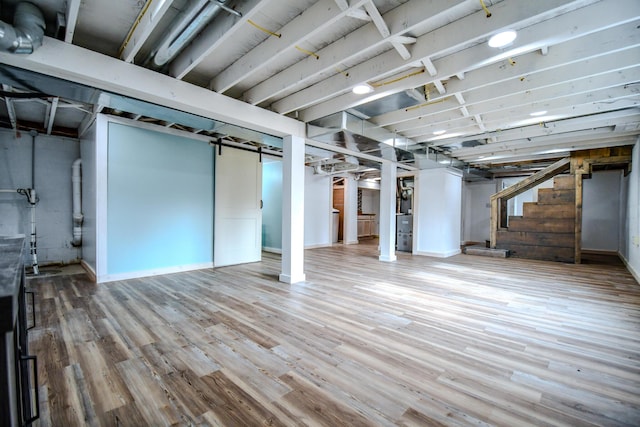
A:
(554, 196)
(532, 238)
(564, 182)
(542, 225)
(535, 210)
(545, 253)
(484, 251)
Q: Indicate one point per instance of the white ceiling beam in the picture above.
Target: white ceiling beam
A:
(552, 153)
(401, 20)
(73, 8)
(314, 20)
(360, 14)
(569, 143)
(553, 131)
(578, 23)
(11, 110)
(536, 70)
(377, 19)
(502, 130)
(51, 116)
(428, 64)
(88, 120)
(149, 17)
(214, 37)
(591, 118)
(598, 87)
(70, 62)
(342, 4)
(439, 87)
(499, 121)
(445, 40)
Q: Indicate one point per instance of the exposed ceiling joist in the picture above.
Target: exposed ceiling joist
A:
(472, 58)
(404, 18)
(148, 19)
(316, 19)
(51, 115)
(71, 17)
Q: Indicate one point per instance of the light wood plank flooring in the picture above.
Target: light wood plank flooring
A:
(422, 341)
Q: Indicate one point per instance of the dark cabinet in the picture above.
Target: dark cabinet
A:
(18, 369)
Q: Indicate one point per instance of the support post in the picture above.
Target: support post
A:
(292, 210)
(388, 212)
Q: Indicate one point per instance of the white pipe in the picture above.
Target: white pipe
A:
(191, 23)
(76, 179)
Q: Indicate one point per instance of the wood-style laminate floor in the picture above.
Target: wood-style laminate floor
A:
(423, 341)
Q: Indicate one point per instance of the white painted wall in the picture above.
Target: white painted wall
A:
(477, 210)
(317, 209)
(438, 210)
(89, 175)
(515, 205)
(53, 159)
(630, 251)
(601, 211)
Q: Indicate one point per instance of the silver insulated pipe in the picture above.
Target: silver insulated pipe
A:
(27, 31)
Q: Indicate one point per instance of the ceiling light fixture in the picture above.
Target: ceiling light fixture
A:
(538, 113)
(502, 39)
(362, 89)
(439, 132)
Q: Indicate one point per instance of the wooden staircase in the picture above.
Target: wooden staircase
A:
(546, 230)
(551, 228)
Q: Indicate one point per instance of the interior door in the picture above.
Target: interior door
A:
(238, 214)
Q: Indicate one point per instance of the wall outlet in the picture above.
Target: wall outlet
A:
(636, 240)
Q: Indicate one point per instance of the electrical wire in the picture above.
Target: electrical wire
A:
(415, 73)
(134, 26)
(308, 52)
(271, 33)
(485, 8)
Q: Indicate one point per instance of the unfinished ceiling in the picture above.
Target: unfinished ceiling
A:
(570, 80)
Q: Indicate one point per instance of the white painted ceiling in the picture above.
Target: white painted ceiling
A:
(427, 61)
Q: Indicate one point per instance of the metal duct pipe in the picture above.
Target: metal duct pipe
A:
(76, 179)
(27, 31)
(192, 20)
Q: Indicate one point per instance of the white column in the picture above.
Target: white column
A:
(388, 212)
(350, 235)
(293, 210)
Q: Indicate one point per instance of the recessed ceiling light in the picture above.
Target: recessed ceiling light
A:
(362, 89)
(538, 113)
(502, 39)
(439, 132)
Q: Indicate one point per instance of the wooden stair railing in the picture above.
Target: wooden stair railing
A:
(500, 199)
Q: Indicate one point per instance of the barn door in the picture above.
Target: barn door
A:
(238, 215)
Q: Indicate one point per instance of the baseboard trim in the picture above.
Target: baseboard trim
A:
(439, 254)
(634, 273)
(272, 250)
(153, 272)
(90, 271)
